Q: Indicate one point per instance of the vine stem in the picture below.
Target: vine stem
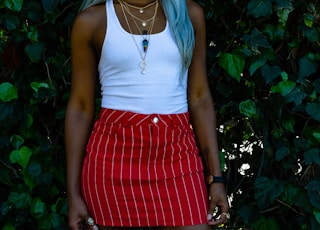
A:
(9, 167)
(287, 205)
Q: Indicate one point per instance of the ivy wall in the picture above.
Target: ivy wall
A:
(263, 64)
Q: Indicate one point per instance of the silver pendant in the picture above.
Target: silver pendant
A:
(144, 24)
(143, 66)
(141, 11)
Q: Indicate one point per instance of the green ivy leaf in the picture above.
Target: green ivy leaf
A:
(233, 64)
(266, 224)
(257, 62)
(33, 33)
(11, 22)
(16, 141)
(284, 87)
(288, 123)
(14, 5)
(291, 194)
(248, 108)
(8, 92)
(296, 96)
(50, 6)
(312, 156)
(313, 108)
(34, 51)
(37, 85)
(8, 226)
(274, 32)
(308, 20)
(313, 34)
(256, 39)
(267, 190)
(316, 213)
(313, 192)
(20, 200)
(316, 135)
(28, 179)
(61, 206)
(49, 221)
(38, 206)
(259, 8)
(281, 153)
(284, 76)
(307, 67)
(270, 72)
(21, 156)
(283, 14)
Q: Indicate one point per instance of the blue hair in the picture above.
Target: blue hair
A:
(177, 15)
(180, 24)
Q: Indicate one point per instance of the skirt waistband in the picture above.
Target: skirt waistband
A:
(129, 118)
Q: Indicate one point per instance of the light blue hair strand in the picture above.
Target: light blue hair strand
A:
(177, 15)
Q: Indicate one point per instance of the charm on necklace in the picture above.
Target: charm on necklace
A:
(144, 24)
(145, 44)
(143, 66)
(141, 11)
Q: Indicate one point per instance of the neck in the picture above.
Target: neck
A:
(139, 3)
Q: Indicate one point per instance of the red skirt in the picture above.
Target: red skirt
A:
(144, 170)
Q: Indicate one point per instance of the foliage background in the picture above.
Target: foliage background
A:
(263, 62)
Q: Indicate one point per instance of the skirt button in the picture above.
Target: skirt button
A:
(155, 120)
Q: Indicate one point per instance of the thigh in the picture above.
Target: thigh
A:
(194, 227)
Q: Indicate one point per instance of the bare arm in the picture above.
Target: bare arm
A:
(80, 112)
(202, 112)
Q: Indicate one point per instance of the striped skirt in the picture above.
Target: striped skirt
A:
(143, 170)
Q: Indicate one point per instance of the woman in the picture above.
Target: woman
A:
(139, 164)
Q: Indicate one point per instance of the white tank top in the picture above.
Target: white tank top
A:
(160, 90)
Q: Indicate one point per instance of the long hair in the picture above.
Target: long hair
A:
(177, 15)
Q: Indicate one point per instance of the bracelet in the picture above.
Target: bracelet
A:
(215, 179)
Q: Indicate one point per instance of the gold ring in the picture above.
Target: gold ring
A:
(90, 221)
(226, 214)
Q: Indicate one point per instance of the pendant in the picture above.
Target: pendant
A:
(143, 66)
(145, 44)
(144, 24)
(141, 11)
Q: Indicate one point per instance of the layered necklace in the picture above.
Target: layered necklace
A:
(145, 32)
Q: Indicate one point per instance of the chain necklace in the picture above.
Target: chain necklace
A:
(144, 23)
(140, 9)
(146, 34)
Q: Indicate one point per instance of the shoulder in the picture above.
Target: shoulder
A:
(196, 14)
(89, 21)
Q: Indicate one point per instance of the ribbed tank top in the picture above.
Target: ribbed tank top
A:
(160, 90)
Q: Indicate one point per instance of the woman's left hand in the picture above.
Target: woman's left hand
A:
(218, 212)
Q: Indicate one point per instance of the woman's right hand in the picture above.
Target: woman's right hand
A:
(78, 215)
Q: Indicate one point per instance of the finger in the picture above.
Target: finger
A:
(95, 227)
(90, 223)
(212, 211)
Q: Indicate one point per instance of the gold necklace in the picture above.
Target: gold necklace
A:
(144, 23)
(145, 42)
(140, 9)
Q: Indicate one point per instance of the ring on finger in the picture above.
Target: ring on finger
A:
(90, 221)
(226, 214)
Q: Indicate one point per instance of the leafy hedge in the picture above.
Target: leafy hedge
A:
(263, 62)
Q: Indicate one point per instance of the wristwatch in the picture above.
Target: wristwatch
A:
(215, 179)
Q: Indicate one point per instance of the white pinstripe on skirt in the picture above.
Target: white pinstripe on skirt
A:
(143, 170)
